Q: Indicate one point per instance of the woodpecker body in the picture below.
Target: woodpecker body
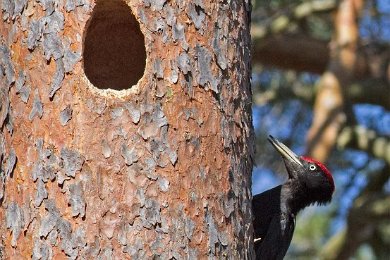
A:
(275, 210)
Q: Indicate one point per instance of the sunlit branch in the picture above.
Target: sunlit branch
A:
(281, 22)
(363, 139)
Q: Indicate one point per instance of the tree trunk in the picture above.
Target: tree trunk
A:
(332, 109)
(125, 129)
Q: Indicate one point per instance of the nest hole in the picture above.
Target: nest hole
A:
(114, 46)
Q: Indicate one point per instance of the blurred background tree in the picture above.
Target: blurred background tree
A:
(321, 84)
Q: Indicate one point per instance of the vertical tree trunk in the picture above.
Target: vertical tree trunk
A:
(331, 108)
(125, 136)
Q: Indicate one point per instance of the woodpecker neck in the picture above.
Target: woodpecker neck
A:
(296, 196)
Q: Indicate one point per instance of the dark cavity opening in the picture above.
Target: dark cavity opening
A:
(114, 46)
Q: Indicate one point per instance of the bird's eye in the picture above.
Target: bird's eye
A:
(312, 167)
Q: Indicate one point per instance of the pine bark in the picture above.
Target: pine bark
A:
(153, 160)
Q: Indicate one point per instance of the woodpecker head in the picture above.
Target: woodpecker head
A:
(311, 176)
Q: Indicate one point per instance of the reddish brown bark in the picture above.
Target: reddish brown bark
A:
(159, 169)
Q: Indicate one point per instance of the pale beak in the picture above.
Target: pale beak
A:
(286, 153)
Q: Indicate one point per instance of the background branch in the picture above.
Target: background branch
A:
(361, 138)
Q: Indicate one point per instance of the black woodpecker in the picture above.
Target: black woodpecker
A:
(274, 210)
